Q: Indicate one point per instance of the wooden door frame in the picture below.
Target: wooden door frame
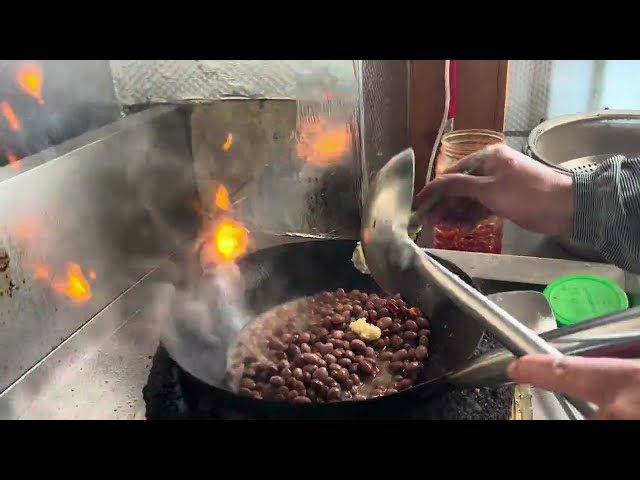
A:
(481, 101)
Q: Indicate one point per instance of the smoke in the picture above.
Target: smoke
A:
(199, 324)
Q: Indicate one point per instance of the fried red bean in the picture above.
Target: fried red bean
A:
(422, 322)
(385, 356)
(325, 348)
(342, 375)
(399, 355)
(313, 358)
(330, 359)
(405, 383)
(413, 367)
(310, 368)
(338, 334)
(321, 374)
(304, 337)
(358, 346)
(334, 367)
(344, 362)
(275, 344)
(395, 341)
(277, 381)
(396, 366)
(334, 394)
(365, 368)
(421, 352)
(411, 325)
(349, 354)
(302, 399)
(284, 391)
(292, 394)
(247, 383)
(384, 323)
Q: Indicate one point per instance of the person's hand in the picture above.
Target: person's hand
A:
(510, 184)
(612, 384)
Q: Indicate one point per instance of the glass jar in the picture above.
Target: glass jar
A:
(467, 225)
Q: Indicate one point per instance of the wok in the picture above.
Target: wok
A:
(279, 274)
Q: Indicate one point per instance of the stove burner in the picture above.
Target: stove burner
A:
(166, 398)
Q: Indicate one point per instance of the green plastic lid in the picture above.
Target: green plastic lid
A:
(576, 298)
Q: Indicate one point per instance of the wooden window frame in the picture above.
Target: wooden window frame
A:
(481, 101)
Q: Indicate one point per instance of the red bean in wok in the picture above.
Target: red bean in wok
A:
(310, 354)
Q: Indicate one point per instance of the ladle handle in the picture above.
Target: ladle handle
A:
(517, 337)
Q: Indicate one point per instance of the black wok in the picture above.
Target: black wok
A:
(279, 274)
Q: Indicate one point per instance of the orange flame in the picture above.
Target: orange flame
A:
(73, 285)
(10, 116)
(232, 239)
(30, 78)
(42, 272)
(13, 160)
(226, 146)
(321, 142)
(228, 241)
(222, 199)
(25, 229)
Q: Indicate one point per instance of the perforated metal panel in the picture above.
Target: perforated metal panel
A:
(153, 81)
(527, 95)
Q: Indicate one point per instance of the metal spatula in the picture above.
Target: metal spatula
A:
(399, 265)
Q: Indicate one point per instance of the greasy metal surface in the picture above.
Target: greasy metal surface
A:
(540, 271)
(385, 111)
(115, 202)
(261, 134)
(273, 189)
(78, 97)
(609, 132)
(533, 309)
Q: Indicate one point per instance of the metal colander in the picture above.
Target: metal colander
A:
(585, 164)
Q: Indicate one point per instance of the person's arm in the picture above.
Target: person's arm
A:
(607, 211)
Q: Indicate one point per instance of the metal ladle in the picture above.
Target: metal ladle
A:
(397, 264)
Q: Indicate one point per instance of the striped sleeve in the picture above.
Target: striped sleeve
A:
(607, 213)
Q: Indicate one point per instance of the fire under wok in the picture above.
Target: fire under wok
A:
(201, 335)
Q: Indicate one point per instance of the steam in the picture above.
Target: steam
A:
(199, 325)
